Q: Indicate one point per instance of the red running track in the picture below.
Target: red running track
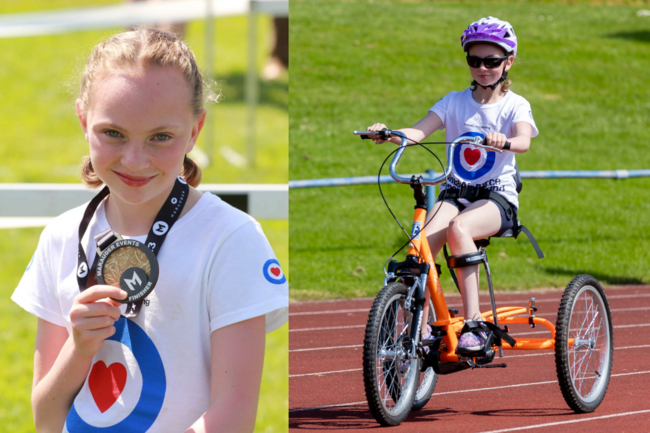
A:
(326, 382)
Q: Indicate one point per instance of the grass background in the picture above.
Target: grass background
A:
(42, 142)
(582, 66)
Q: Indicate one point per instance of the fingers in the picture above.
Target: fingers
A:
(95, 293)
(95, 301)
(496, 139)
(377, 127)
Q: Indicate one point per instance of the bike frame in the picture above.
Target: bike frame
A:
(419, 247)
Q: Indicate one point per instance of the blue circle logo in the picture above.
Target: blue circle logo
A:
(153, 385)
(273, 272)
(471, 163)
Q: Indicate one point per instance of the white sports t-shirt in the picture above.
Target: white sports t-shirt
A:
(461, 115)
(216, 269)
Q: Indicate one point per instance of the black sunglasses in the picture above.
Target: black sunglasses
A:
(489, 62)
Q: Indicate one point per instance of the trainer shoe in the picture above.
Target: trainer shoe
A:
(470, 342)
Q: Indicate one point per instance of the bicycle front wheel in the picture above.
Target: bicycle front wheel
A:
(391, 376)
(584, 344)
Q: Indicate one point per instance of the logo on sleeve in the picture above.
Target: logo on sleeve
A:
(30, 263)
(273, 272)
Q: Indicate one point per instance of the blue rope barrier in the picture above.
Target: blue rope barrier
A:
(549, 174)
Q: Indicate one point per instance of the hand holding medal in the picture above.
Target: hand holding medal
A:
(128, 263)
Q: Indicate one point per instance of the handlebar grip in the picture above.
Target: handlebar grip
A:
(505, 146)
(384, 134)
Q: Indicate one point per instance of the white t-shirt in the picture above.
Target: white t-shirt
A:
(216, 269)
(461, 115)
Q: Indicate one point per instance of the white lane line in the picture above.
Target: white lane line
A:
(472, 390)
(617, 310)
(326, 348)
(310, 313)
(550, 424)
(325, 372)
(638, 325)
(327, 328)
(504, 358)
(523, 301)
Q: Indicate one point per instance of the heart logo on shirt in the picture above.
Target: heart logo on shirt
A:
(472, 155)
(276, 271)
(106, 384)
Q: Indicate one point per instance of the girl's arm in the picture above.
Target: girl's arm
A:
(418, 132)
(62, 361)
(237, 362)
(520, 143)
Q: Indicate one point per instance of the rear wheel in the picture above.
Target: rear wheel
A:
(391, 376)
(584, 344)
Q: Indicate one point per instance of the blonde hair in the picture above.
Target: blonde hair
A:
(145, 47)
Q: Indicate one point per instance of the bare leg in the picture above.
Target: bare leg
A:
(479, 220)
(436, 232)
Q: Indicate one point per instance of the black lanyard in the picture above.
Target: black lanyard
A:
(165, 219)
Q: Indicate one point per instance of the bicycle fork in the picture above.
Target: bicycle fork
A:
(417, 294)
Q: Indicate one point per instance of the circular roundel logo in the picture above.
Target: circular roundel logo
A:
(174, 200)
(160, 227)
(181, 180)
(273, 272)
(125, 388)
(471, 163)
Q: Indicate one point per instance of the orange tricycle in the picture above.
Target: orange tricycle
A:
(401, 371)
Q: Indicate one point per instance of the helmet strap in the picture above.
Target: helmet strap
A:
(493, 86)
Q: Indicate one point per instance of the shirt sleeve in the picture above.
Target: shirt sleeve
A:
(36, 291)
(245, 280)
(440, 108)
(523, 113)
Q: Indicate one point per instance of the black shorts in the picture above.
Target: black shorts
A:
(507, 218)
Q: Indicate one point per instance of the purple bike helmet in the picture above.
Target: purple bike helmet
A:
(491, 30)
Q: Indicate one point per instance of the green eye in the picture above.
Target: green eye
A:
(112, 133)
(161, 137)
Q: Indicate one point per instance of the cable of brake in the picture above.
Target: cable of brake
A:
(409, 236)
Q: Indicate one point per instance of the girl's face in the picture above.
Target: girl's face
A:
(483, 75)
(139, 126)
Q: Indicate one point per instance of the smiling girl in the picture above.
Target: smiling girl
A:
(488, 109)
(190, 356)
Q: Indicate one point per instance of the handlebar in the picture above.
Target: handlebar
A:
(385, 134)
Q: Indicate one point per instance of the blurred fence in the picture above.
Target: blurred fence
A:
(33, 204)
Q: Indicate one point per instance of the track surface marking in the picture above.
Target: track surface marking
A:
(326, 382)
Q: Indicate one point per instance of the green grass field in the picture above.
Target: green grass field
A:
(582, 67)
(42, 142)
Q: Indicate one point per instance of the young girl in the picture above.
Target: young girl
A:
(191, 355)
(488, 109)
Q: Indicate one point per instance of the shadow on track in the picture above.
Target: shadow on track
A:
(359, 418)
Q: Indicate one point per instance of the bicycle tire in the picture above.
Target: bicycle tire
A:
(390, 377)
(428, 378)
(584, 369)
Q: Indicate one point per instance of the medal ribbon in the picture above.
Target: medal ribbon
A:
(165, 219)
